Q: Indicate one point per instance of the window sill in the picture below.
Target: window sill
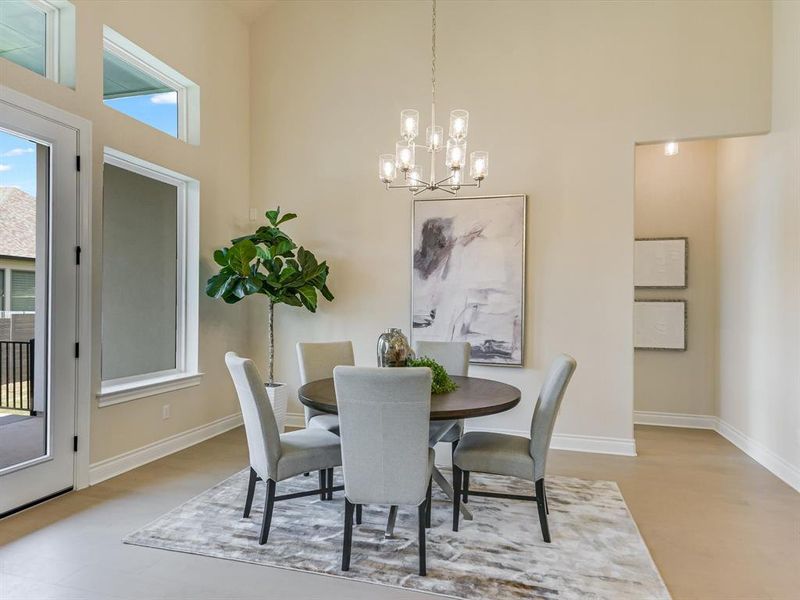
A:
(124, 392)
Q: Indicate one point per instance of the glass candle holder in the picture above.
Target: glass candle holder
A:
(387, 169)
(455, 179)
(456, 154)
(404, 155)
(415, 178)
(459, 123)
(434, 137)
(478, 165)
(409, 124)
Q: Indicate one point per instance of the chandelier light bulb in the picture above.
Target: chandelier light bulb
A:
(459, 122)
(479, 165)
(404, 155)
(415, 178)
(387, 169)
(671, 149)
(455, 179)
(456, 152)
(409, 124)
(434, 136)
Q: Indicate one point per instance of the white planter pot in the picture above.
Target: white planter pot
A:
(279, 399)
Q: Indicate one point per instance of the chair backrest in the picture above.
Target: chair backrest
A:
(453, 356)
(384, 416)
(317, 360)
(546, 411)
(263, 437)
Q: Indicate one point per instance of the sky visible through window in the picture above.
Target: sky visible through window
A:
(157, 110)
(17, 163)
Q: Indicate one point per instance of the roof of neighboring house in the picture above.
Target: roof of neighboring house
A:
(17, 223)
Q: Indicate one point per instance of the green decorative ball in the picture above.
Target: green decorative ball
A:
(442, 383)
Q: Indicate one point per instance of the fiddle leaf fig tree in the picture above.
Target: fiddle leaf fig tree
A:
(268, 262)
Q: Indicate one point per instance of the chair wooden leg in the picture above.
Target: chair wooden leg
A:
(358, 514)
(540, 503)
(465, 493)
(428, 504)
(323, 484)
(330, 484)
(268, 504)
(348, 534)
(456, 496)
(544, 494)
(251, 490)
(421, 518)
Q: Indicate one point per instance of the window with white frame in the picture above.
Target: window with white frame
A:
(150, 279)
(40, 36)
(139, 85)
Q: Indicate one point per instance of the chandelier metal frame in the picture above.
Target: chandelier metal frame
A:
(406, 148)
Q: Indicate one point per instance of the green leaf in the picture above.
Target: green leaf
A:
(308, 296)
(326, 293)
(272, 216)
(240, 255)
(215, 284)
(290, 299)
(286, 217)
(220, 257)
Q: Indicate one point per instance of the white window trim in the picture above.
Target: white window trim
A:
(188, 91)
(59, 43)
(185, 373)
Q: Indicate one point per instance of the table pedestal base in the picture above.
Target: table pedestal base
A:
(446, 488)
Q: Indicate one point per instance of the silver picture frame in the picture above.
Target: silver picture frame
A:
(685, 332)
(523, 258)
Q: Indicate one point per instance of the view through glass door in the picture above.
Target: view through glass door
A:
(38, 301)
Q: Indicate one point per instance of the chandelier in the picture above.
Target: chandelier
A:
(404, 159)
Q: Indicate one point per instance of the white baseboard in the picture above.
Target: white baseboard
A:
(662, 419)
(295, 420)
(577, 443)
(116, 465)
(753, 448)
(761, 454)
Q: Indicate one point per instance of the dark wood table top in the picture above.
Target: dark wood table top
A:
(472, 398)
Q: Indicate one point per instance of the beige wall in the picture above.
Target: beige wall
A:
(558, 92)
(676, 197)
(759, 230)
(208, 44)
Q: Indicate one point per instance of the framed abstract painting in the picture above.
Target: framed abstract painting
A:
(468, 275)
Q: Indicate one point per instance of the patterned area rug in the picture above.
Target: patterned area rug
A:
(596, 551)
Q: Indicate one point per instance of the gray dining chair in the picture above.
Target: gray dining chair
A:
(276, 456)
(516, 456)
(317, 360)
(454, 357)
(384, 416)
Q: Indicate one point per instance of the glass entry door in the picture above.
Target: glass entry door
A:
(38, 306)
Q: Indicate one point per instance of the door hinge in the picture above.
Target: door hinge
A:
(77, 255)
(78, 163)
(75, 443)
(77, 350)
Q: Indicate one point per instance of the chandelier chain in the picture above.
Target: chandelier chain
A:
(433, 53)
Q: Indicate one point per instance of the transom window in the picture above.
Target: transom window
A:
(139, 85)
(39, 35)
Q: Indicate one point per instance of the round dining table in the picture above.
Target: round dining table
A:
(473, 397)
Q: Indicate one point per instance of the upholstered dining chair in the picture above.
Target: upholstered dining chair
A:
(317, 360)
(454, 357)
(516, 456)
(384, 416)
(276, 456)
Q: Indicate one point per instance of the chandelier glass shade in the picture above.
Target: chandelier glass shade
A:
(405, 163)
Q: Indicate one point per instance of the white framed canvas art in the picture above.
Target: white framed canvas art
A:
(660, 262)
(468, 275)
(659, 324)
